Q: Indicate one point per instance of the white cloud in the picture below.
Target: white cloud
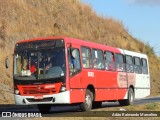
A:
(144, 2)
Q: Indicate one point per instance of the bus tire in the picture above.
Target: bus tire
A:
(96, 104)
(44, 108)
(87, 105)
(130, 99)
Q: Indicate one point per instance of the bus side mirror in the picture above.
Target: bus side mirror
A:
(7, 63)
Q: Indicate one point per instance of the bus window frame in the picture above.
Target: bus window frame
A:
(124, 62)
(89, 58)
(144, 66)
(129, 64)
(142, 62)
(137, 65)
(96, 59)
(113, 62)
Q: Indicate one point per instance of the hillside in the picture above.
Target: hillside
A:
(24, 19)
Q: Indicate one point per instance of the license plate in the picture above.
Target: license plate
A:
(38, 97)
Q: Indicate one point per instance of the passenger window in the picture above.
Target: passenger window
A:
(129, 64)
(137, 66)
(86, 57)
(97, 59)
(109, 61)
(137, 61)
(74, 61)
(120, 66)
(144, 66)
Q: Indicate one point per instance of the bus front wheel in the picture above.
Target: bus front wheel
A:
(87, 104)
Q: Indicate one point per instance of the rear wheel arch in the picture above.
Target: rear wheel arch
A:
(132, 87)
(130, 97)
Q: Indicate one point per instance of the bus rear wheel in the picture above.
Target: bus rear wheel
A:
(87, 104)
(44, 108)
(130, 99)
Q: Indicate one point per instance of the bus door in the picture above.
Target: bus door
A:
(77, 93)
(74, 65)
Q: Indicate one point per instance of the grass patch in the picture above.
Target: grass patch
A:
(152, 106)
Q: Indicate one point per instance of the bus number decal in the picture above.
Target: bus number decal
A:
(90, 74)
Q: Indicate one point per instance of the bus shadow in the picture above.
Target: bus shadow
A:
(15, 107)
(76, 108)
(74, 111)
(55, 110)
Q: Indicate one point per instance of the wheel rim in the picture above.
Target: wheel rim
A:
(131, 97)
(88, 101)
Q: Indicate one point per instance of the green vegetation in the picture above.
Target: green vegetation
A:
(152, 106)
(24, 19)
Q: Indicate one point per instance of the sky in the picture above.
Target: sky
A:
(140, 17)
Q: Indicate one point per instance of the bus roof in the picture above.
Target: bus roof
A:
(86, 43)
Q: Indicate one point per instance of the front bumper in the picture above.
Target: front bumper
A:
(60, 98)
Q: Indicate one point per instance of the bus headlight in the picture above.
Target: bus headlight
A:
(63, 88)
(16, 91)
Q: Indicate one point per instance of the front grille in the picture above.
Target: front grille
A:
(36, 90)
(39, 89)
(40, 100)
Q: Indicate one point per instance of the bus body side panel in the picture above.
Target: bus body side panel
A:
(110, 85)
(140, 82)
(142, 86)
(106, 85)
(122, 85)
(77, 95)
(79, 83)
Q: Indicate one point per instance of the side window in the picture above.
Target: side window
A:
(86, 57)
(144, 66)
(74, 61)
(129, 64)
(137, 65)
(120, 66)
(97, 59)
(109, 61)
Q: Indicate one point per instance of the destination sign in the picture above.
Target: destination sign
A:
(39, 44)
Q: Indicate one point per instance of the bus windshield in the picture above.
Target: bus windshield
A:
(39, 64)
